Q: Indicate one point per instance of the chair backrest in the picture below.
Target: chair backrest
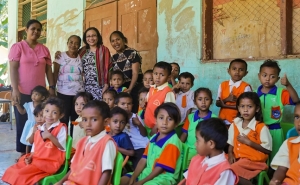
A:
(184, 163)
(116, 178)
(291, 133)
(69, 147)
(285, 128)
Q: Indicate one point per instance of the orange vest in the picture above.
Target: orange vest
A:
(86, 167)
(198, 176)
(293, 174)
(154, 100)
(225, 113)
(241, 150)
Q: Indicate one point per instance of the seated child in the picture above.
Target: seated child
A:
(94, 159)
(159, 93)
(162, 158)
(118, 120)
(48, 149)
(109, 97)
(39, 121)
(174, 74)
(230, 90)
(80, 100)
(203, 100)
(142, 103)
(210, 165)
(135, 129)
(287, 160)
(249, 139)
(148, 78)
(273, 100)
(117, 80)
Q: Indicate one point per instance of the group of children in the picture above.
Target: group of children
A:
(170, 115)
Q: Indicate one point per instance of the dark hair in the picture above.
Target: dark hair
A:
(148, 71)
(254, 97)
(118, 110)
(171, 109)
(100, 42)
(214, 129)
(187, 75)
(76, 37)
(121, 35)
(239, 61)
(57, 102)
(117, 72)
(177, 66)
(85, 95)
(37, 109)
(143, 90)
(270, 63)
(101, 106)
(112, 92)
(164, 65)
(203, 89)
(42, 90)
(122, 95)
(32, 21)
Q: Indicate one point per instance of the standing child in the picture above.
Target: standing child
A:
(159, 93)
(80, 100)
(203, 100)
(174, 74)
(135, 129)
(249, 139)
(109, 97)
(48, 149)
(287, 160)
(94, 159)
(210, 166)
(38, 95)
(162, 160)
(117, 80)
(142, 104)
(39, 121)
(273, 100)
(230, 90)
(148, 78)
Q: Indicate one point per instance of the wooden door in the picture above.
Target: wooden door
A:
(137, 21)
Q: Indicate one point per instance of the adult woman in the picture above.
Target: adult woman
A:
(29, 61)
(129, 62)
(68, 76)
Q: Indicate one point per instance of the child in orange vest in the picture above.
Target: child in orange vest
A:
(249, 139)
(48, 149)
(230, 90)
(158, 94)
(287, 160)
(210, 166)
(95, 154)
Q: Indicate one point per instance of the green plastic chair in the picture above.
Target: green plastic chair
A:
(184, 166)
(116, 178)
(286, 127)
(291, 133)
(262, 178)
(64, 168)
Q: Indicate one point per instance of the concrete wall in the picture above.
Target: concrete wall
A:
(179, 32)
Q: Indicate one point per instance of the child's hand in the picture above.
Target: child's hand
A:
(14, 103)
(244, 139)
(274, 182)
(222, 103)
(28, 160)
(35, 128)
(285, 80)
(46, 134)
(136, 121)
(230, 98)
(131, 181)
(231, 158)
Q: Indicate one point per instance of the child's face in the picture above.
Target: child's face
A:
(92, 121)
(142, 99)
(175, 70)
(247, 109)
(185, 84)
(117, 123)
(237, 71)
(79, 104)
(202, 147)
(39, 119)
(160, 76)
(37, 97)
(203, 101)
(52, 114)
(126, 104)
(116, 81)
(148, 80)
(109, 99)
(165, 124)
(268, 76)
(297, 118)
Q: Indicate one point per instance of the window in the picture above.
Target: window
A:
(251, 29)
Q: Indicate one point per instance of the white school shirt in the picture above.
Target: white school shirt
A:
(170, 97)
(226, 177)
(189, 104)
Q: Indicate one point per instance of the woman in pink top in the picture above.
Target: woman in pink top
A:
(29, 62)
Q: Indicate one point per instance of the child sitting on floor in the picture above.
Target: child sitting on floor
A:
(162, 158)
(117, 81)
(210, 166)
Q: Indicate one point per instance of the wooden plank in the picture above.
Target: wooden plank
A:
(286, 17)
(24, 2)
(207, 29)
(40, 8)
(38, 14)
(39, 4)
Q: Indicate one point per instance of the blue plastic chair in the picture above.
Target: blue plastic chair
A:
(291, 133)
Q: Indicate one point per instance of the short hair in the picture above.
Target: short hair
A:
(203, 89)
(177, 66)
(76, 36)
(164, 65)
(112, 92)
(143, 90)
(42, 90)
(171, 109)
(57, 102)
(270, 63)
(118, 110)
(187, 75)
(214, 129)
(101, 106)
(122, 95)
(38, 109)
(85, 95)
(148, 71)
(239, 61)
(99, 43)
(117, 72)
(32, 21)
(121, 35)
(254, 97)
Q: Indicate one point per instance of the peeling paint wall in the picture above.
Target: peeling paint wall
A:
(179, 32)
